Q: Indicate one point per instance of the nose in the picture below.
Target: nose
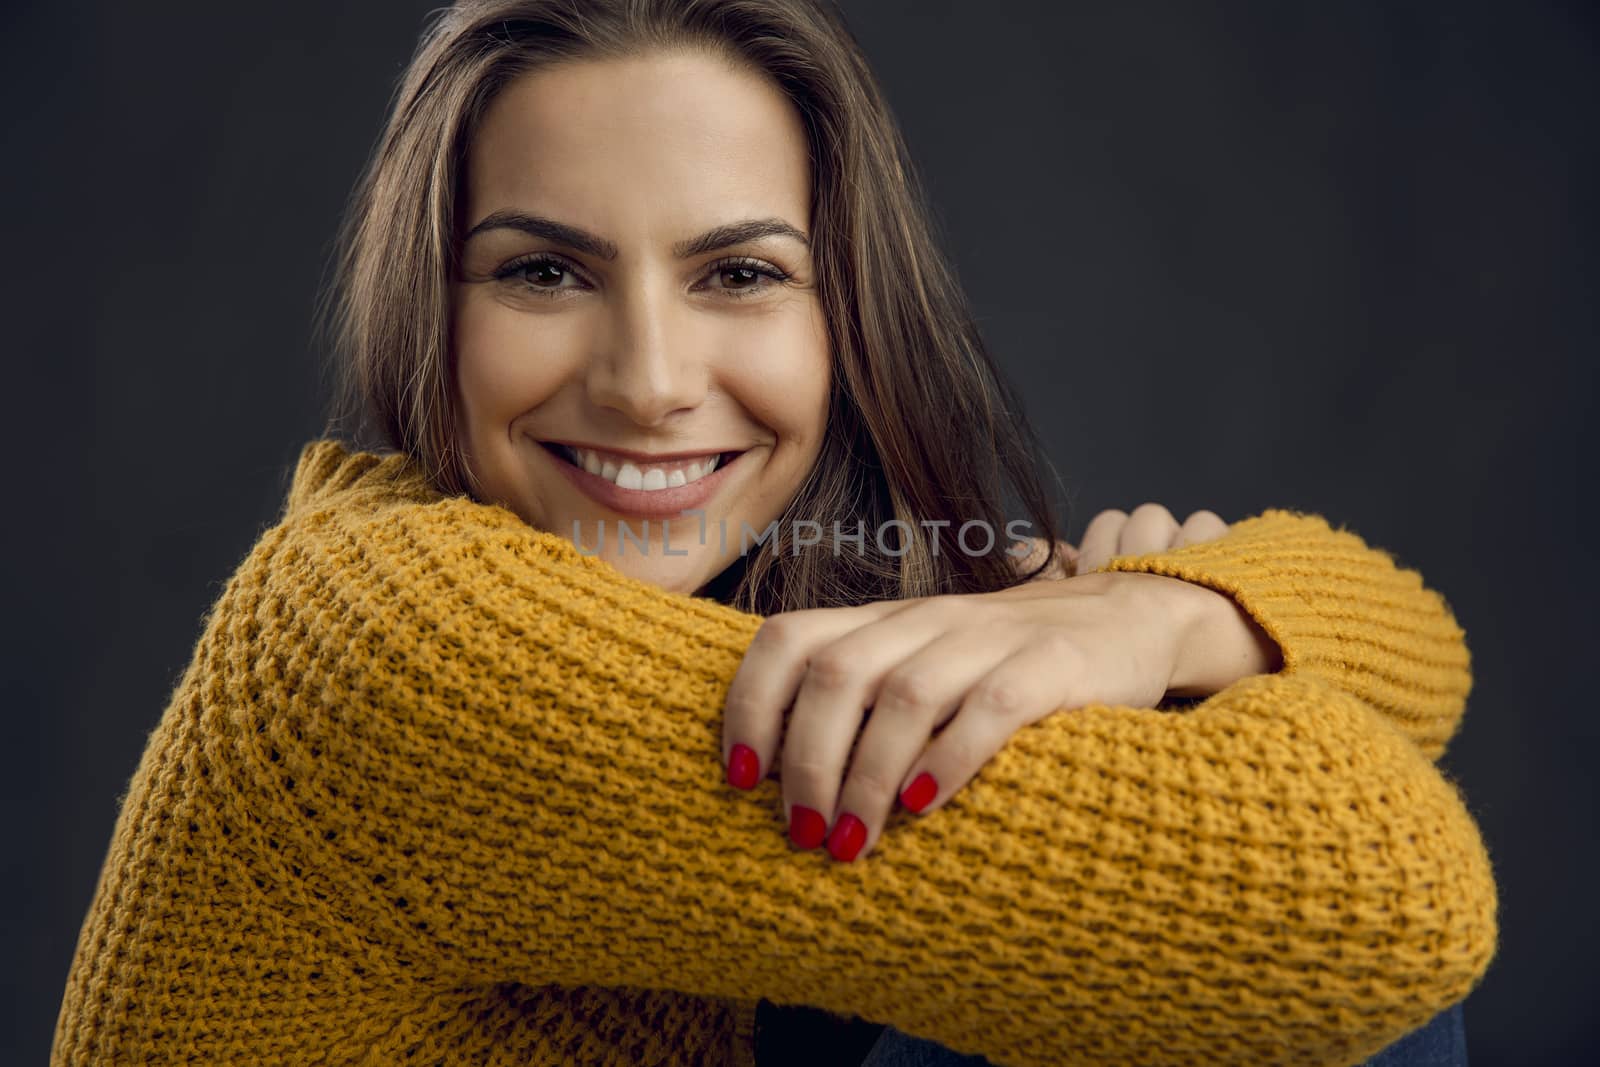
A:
(647, 366)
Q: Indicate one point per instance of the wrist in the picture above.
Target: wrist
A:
(1218, 643)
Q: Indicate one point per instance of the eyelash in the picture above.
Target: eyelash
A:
(539, 259)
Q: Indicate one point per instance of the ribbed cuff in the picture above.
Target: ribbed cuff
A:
(1339, 610)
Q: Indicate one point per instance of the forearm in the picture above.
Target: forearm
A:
(493, 760)
(523, 746)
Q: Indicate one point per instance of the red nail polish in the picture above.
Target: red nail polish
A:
(920, 793)
(806, 827)
(744, 769)
(849, 834)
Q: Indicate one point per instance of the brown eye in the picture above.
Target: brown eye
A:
(538, 273)
(543, 274)
(741, 278)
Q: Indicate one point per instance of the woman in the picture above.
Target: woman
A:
(440, 784)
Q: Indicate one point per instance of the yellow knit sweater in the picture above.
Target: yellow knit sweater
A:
(438, 788)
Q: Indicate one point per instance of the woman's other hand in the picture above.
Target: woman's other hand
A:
(1062, 566)
(1151, 528)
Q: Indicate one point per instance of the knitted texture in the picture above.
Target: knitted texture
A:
(438, 788)
(1341, 612)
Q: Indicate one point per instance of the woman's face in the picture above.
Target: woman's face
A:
(629, 225)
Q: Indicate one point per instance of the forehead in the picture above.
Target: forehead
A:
(659, 137)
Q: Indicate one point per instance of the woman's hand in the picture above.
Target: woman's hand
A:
(987, 664)
(1151, 528)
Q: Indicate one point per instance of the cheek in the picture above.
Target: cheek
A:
(784, 381)
(501, 372)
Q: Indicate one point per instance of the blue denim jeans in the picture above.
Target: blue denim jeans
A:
(1441, 1043)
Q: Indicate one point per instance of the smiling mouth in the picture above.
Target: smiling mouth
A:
(627, 473)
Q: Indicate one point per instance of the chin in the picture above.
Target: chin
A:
(676, 574)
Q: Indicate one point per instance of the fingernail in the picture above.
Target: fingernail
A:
(920, 792)
(849, 834)
(744, 769)
(806, 827)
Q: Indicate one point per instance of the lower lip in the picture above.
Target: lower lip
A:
(645, 503)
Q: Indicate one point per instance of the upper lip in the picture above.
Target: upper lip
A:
(642, 457)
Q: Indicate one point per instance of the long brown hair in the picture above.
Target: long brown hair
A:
(922, 427)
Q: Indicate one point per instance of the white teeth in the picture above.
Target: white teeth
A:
(629, 476)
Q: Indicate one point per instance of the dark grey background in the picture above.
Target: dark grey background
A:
(1335, 257)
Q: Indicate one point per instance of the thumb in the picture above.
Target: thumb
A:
(1064, 566)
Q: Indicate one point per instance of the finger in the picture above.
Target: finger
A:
(1099, 541)
(768, 677)
(1150, 528)
(1021, 689)
(912, 700)
(1060, 565)
(1200, 527)
(1032, 557)
(840, 682)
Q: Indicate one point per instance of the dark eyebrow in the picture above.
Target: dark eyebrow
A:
(583, 241)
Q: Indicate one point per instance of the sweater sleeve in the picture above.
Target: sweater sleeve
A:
(496, 759)
(1341, 612)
